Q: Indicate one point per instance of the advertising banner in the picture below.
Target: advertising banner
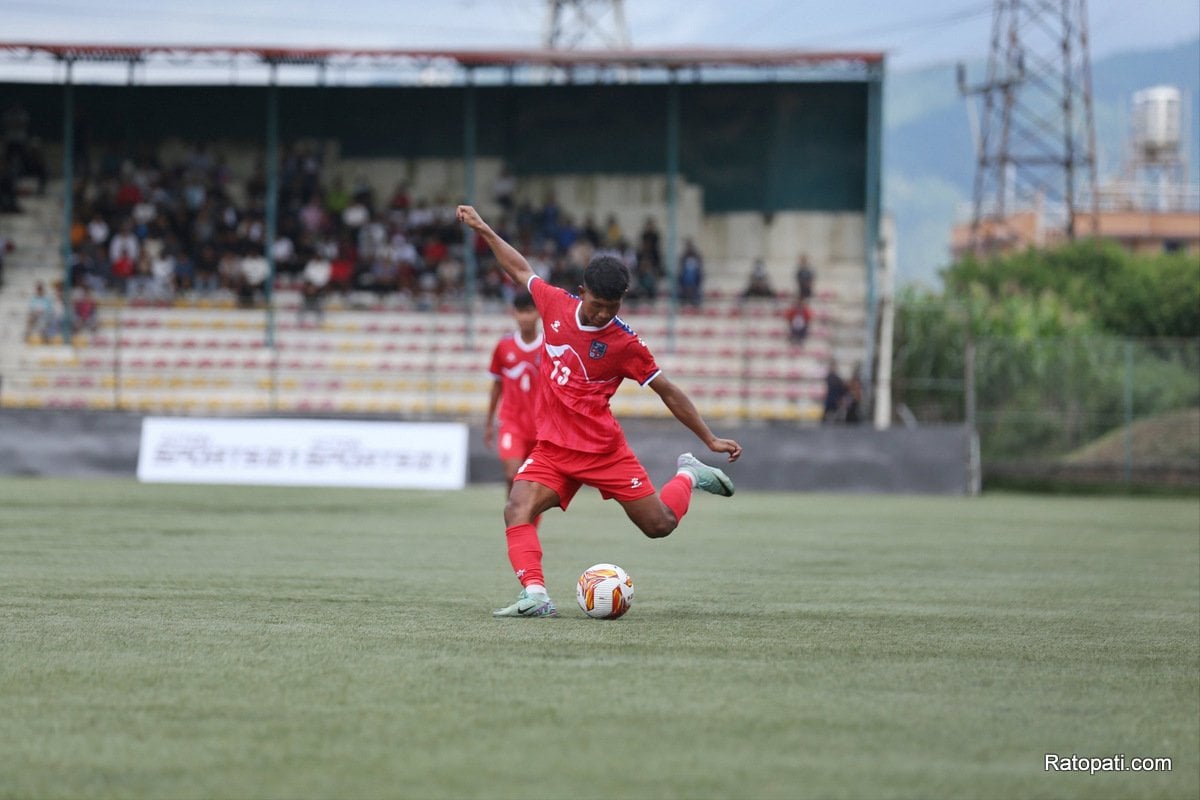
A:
(300, 452)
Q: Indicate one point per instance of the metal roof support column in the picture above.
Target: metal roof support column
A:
(873, 217)
(68, 193)
(470, 126)
(272, 201)
(672, 207)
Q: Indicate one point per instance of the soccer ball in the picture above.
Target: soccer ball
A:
(604, 591)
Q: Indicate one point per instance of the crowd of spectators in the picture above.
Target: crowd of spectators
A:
(150, 231)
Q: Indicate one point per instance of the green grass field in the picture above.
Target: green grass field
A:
(195, 642)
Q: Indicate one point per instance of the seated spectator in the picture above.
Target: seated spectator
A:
(162, 274)
(207, 265)
(590, 233)
(450, 277)
(124, 244)
(341, 270)
(140, 285)
(185, 272)
(313, 218)
(804, 278)
(644, 279)
(61, 314)
(255, 272)
(613, 237)
(39, 320)
(85, 310)
(400, 200)
(88, 268)
(854, 396)
(650, 245)
(98, 230)
(691, 275)
(283, 251)
(835, 395)
(317, 272)
(337, 198)
(760, 282)
(355, 215)
(542, 262)
(311, 302)
(799, 316)
(123, 270)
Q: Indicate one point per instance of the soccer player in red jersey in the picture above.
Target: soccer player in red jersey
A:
(588, 350)
(515, 369)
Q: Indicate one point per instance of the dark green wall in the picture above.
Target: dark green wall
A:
(761, 147)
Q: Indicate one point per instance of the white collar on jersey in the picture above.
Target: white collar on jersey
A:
(527, 347)
(583, 327)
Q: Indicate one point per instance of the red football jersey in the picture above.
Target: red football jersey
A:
(581, 369)
(515, 365)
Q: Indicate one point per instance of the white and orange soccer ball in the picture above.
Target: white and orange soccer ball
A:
(604, 591)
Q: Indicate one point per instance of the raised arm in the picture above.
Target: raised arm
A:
(684, 410)
(512, 262)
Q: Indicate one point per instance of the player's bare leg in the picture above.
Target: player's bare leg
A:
(511, 465)
(527, 500)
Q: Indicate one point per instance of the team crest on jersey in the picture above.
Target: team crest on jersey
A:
(598, 349)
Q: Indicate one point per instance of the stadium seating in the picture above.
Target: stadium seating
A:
(198, 359)
(205, 355)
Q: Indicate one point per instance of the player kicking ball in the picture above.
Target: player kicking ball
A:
(587, 352)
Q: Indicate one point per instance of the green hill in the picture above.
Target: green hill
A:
(1169, 440)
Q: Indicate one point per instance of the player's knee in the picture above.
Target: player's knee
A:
(517, 512)
(659, 527)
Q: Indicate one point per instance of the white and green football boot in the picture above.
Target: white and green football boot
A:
(710, 479)
(537, 604)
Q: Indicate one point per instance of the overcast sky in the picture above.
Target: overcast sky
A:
(911, 33)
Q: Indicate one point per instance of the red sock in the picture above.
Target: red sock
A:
(676, 494)
(525, 553)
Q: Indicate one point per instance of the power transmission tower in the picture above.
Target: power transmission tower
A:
(578, 24)
(1035, 140)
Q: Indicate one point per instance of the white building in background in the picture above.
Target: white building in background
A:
(1150, 207)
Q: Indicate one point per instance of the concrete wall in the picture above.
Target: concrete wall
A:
(777, 457)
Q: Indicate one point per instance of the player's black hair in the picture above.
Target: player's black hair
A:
(606, 277)
(522, 300)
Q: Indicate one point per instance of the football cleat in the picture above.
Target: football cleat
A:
(537, 604)
(710, 479)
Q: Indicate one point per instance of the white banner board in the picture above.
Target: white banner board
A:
(303, 452)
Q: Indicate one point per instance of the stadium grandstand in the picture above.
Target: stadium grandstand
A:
(280, 244)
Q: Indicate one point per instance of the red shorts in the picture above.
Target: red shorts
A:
(617, 475)
(513, 446)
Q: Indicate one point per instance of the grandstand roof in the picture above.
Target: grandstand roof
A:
(464, 61)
